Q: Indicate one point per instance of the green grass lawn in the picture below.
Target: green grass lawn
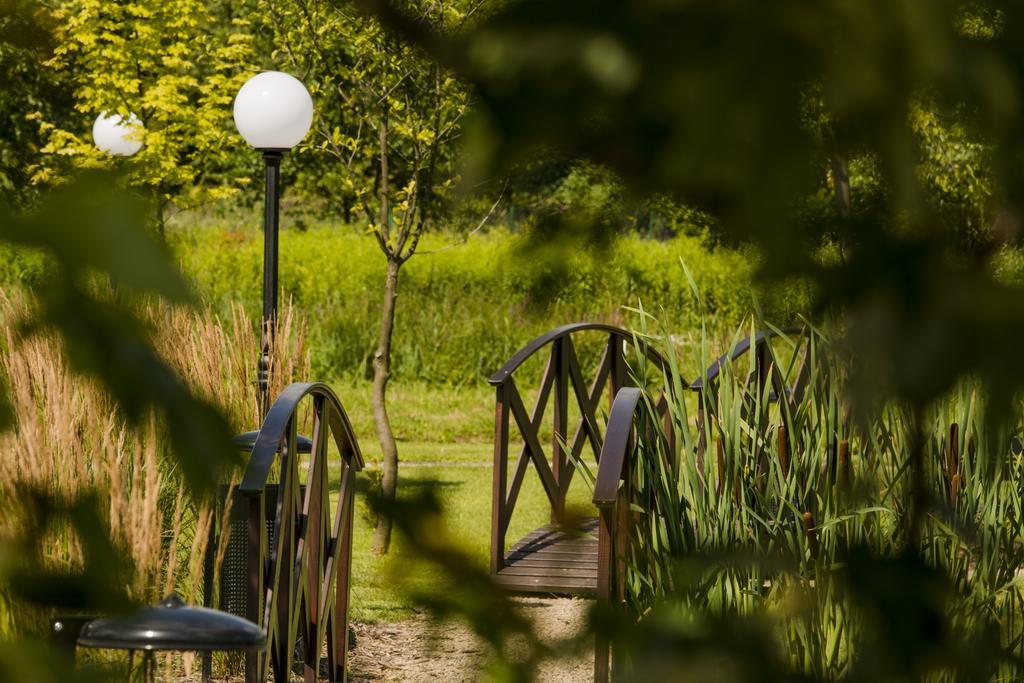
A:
(445, 439)
(380, 585)
(432, 423)
(437, 423)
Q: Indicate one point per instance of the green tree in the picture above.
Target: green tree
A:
(176, 66)
(387, 122)
(751, 112)
(27, 94)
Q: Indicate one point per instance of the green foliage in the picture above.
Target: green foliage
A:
(383, 144)
(176, 66)
(465, 310)
(956, 170)
(749, 110)
(27, 94)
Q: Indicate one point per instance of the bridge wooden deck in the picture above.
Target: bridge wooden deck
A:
(550, 561)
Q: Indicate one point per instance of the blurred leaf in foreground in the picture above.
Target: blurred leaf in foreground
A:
(753, 112)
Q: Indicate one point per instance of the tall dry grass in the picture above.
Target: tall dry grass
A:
(70, 438)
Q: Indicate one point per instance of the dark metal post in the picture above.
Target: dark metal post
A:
(271, 214)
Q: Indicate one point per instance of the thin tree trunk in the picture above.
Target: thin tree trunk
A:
(382, 356)
(381, 375)
(841, 184)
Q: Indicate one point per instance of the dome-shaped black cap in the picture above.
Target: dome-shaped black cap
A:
(173, 625)
(246, 440)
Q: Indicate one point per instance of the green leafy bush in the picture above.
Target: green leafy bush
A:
(462, 311)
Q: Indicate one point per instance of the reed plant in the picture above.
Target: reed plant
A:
(69, 439)
(759, 496)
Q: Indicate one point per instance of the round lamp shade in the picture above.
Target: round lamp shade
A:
(273, 111)
(116, 136)
(173, 625)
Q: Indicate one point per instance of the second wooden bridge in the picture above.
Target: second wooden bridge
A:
(586, 557)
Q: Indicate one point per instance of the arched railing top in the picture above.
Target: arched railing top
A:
(616, 443)
(275, 430)
(520, 356)
(742, 347)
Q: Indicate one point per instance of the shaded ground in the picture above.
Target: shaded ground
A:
(414, 650)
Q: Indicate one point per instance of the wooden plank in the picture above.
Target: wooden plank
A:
(547, 561)
(551, 534)
(586, 554)
(566, 582)
(534, 546)
(540, 547)
(550, 572)
(557, 533)
(555, 557)
(585, 524)
(572, 569)
(531, 584)
(574, 560)
(590, 567)
(542, 544)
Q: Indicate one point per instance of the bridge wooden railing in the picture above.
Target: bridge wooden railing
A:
(765, 381)
(612, 498)
(298, 571)
(563, 376)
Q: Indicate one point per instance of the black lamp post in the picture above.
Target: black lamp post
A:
(273, 112)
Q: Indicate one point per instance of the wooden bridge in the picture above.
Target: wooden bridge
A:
(287, 565)
(552, 559)
(586, 557)
(292, 557)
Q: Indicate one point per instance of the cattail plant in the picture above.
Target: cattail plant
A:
(777, 480)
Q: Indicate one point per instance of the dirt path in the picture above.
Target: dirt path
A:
(415, 651)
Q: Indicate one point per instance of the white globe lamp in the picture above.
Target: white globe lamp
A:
(273, 111)
(117, 136)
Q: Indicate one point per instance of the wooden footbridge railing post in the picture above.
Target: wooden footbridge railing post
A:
(612, 498)
(500, 478)
(602, 644)
(560, 408)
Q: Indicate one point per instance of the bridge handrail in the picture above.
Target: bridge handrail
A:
(520, 356)
(616, 444)
(275, 426)
(744, 345)
(612, 499)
